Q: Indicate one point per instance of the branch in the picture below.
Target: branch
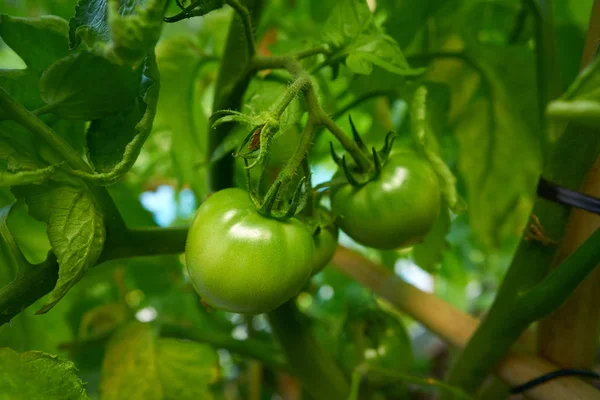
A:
(32, 285)
(27, 288)
(256, 349)
(317, 115)
(455, 327)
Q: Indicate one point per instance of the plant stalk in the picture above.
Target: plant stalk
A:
(569, 337)
(320, 376)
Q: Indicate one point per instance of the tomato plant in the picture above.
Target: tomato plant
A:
(250, 199)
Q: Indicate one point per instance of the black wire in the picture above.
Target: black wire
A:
(568, 197)
(553, 375)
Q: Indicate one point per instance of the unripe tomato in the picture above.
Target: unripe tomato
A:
(396, 209)
(242, 261)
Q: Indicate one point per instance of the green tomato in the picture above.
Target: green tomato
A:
(397, 209)
(325, 242)
(242, 261)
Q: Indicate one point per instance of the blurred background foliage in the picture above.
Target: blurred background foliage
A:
(486, 120)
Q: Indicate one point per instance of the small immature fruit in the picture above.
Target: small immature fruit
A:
(396, 209)
(242, 261)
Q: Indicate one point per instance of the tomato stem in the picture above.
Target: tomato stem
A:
(316, 113)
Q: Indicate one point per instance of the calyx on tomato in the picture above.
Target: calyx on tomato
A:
(242, 261)
(393, 206)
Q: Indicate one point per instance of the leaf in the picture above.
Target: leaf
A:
(381, 50)
(581, 102)
(499, 161)
(429, 253)
(186, 369)
(351, 30)
(347, 20)
(130, 28)
(90, 22)
(17, 151)
(75, 228)
(406, 18)
(179, 110)
(37, 375)
(39, 42)
(117, 140)
(87, 86)
(8, 179)
(137, 365)
(22, 166)
(428, 144)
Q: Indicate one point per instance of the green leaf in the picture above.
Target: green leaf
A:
(581, 102)
(376, 48)
(186, 369)
(429, 253)
(75, 228)
(37, 375)
(179, 110)
(90, 22)
(499, 160)
(8, 179)
(87, 86)
(114, 142)
(39, 42)
(351, 30)
(17, 151)
(130, 28)
(347, 21)
(137, 365)
(22, 166)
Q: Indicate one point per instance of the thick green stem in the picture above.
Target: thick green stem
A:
(244, 15)
(257, 349)
(549, 294)
(147, 242)
(27, 288)
(320, 376)
(312, 52)
(41, 279)
(548, 76)
(290, 94)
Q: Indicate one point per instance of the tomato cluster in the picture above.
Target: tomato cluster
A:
(241, 260)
